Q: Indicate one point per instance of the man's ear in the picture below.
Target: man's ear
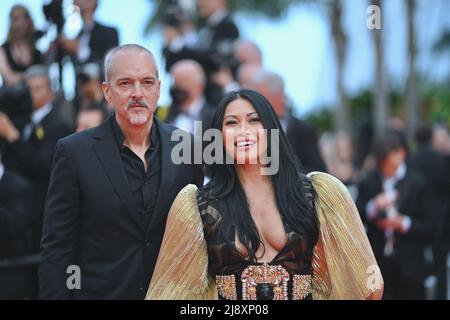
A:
(159, 88)
(106, 91)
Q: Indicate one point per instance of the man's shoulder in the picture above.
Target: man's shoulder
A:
(301, 124)
(85, 137)
(105, 28)
(15, 181)
(164, 126)
(415, 178)
(166, 130)
(371, 179)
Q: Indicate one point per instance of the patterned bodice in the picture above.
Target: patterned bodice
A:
(287, 276)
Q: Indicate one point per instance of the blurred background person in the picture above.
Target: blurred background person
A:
(94, 39)
(29, 151)
(245, 74)
(17, 278)
(91, 44)
(249, 60)
(188, 100)
(89, 118)
(248, 52)
(435, 168)
(337, 152)
(441, 138)
(301, 134)
(19, 51)
(215, 39)
(238, 72)
(90, 85)
(213, 49)
(395, 203)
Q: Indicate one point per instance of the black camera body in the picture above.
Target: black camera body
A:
(53, 12)
(15, 100)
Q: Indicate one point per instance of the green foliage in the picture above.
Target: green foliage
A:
(360, 107)
(322, 119)
(269, 8)
(436, 106)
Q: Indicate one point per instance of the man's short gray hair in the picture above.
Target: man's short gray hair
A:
(109, 58)
(37, 70)
(270, 79)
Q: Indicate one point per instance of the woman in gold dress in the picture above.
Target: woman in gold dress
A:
(257, 234)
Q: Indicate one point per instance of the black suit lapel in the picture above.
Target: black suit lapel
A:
(108, 153)
(168, 173)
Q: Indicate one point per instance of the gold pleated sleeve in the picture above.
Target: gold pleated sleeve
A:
(344, 266)
(181, 271)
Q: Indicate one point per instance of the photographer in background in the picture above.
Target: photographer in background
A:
(19, 51)
(90, 85)
(188, 100)
(94, 39)
(213, 49)
(396, 205)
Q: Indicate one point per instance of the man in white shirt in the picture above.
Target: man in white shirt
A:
(396, 205)
(188, 100)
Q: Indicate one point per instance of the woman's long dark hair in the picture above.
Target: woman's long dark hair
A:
(11, 38)
(287, 182)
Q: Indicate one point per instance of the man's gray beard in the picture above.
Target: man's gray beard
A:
(139, 119)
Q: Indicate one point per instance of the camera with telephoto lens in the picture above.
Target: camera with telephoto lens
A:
(53, 12)
(15, 100)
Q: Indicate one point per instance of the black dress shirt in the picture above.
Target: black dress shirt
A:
(144, 185)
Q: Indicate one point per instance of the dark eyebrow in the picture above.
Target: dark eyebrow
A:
(248, 114)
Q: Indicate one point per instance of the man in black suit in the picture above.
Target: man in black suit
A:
(29, 149)
(110, 190)
(301, 135)
(395, 203)
(213, 48)
(94, 40)
(16, 216)
(435, 167)
(215, 39)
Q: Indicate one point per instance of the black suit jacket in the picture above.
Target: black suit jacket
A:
(102, 39)
(32, 160)
(212, 50)
(15, 215)
(15, 221)
(91, 220)
(303, 138)
(435, 168)
(414, 201)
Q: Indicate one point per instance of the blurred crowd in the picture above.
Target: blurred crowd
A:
(402, 192)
